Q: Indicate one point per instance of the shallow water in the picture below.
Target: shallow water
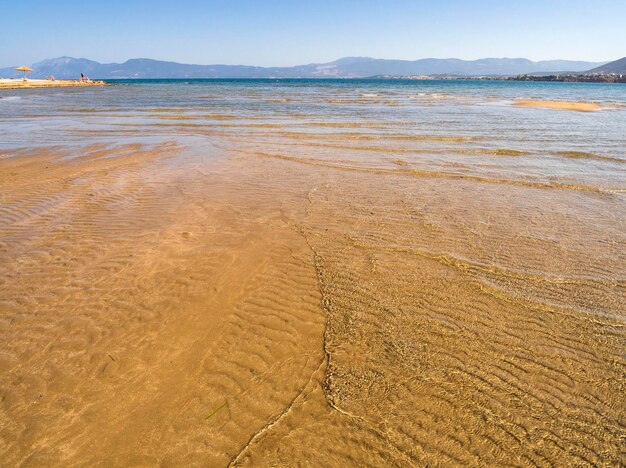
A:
(343, 271)
(456, 127)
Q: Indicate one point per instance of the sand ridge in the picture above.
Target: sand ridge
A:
(560, 105)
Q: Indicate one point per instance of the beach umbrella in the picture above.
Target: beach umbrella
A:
(25, 69)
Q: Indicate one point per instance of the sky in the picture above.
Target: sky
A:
(294, 32)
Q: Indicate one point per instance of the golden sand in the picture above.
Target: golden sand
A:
(10, 83)
(163, 305)
(561, 105)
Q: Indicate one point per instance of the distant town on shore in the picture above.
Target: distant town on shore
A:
(562, 77)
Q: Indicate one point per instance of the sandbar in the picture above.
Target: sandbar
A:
(561, 105)
(11, 83)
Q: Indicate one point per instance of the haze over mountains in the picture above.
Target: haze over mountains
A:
(349, 67)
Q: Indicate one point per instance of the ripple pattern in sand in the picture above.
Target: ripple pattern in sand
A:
(139, 305)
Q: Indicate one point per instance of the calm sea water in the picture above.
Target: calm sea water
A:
(467, 128)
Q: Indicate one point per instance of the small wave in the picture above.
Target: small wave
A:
(175, 117)
(9, 98)
(431, 95)
(505, 152)
(346, 124)
(441, 175)
(585, 155)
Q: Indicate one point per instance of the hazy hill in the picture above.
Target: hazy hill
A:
(349, 67)
(617, 66)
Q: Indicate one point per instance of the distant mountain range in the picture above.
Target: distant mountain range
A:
(349, 67)
(618, 67)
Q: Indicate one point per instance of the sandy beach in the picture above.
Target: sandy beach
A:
(19, 83)
(222, 286)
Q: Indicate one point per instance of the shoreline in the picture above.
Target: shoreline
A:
(14, 83)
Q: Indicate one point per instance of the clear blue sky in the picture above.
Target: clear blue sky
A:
(290, 32)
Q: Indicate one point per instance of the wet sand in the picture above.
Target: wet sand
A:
(173, 305)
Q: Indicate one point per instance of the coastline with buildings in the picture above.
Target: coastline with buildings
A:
(560, 77)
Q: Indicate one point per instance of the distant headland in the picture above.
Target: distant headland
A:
(611, 72)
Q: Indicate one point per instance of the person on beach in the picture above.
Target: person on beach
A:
(82, 77)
